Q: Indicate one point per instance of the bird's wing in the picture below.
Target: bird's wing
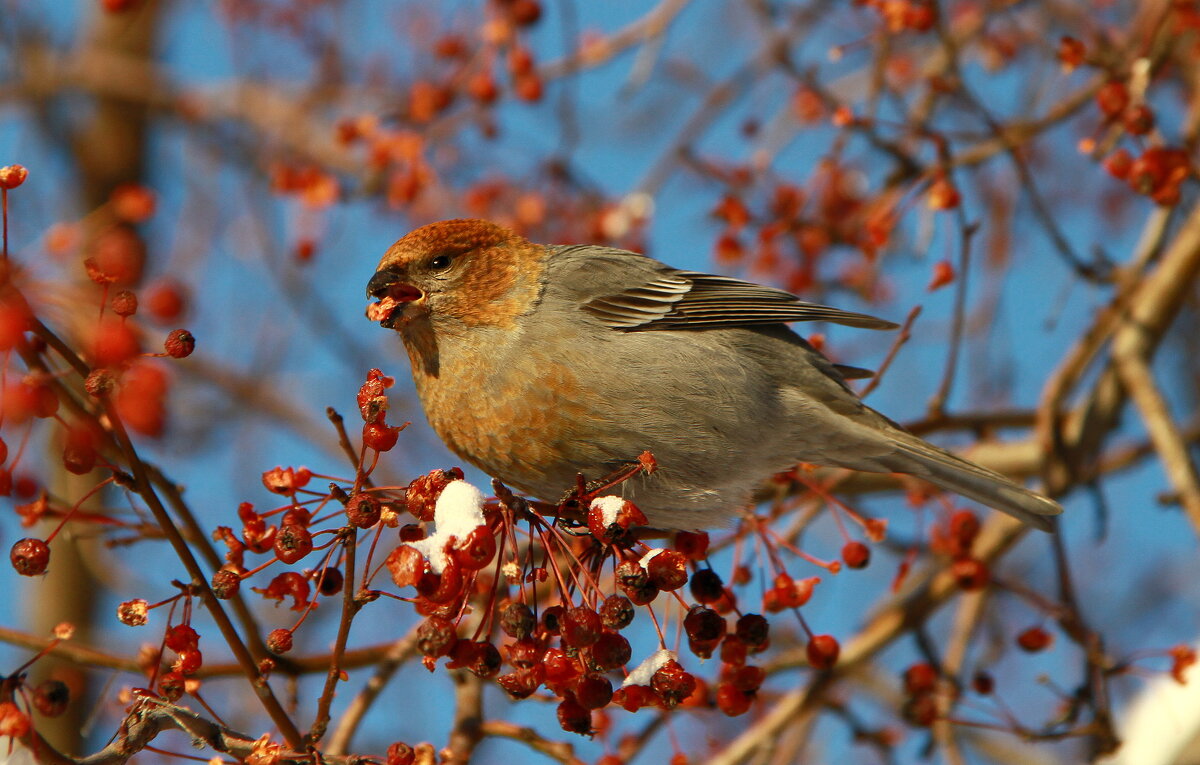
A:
(652, 296)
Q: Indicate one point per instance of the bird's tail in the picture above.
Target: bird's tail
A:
(936, 465)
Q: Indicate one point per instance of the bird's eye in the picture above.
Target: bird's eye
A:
(439, 263)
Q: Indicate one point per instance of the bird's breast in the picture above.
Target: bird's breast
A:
(514, 416)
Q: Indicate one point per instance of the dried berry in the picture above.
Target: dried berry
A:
(706, 586)
(226, 583)
(179, 344)
(617, 612)
(363, 510)
(436, 636)
(580, 627)
(517, 620)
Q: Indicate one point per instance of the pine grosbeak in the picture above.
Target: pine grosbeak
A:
(536, 363)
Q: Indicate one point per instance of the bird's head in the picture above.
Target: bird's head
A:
(461, 272)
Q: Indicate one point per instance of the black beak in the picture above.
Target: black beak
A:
(383, 279)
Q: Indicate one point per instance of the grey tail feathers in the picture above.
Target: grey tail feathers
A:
(924, 460)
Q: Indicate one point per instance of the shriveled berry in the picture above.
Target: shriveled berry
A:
(755, 631)
(421, 495)
(124, 303)
(610, 651)
(182, 637)
(668, 570)
(363, 510)
(573, 717)
(30, 556)
(526, 652)
(190, 661)
(406, 565)
(400, 753)
(517, 620)
(225, 583)
(436, 636)
(592, 691)
(133, 613)
(617, 612)
(179, 344)
(704, 624)
(581, 627)
(672, 683)
(171, 685)
(486, 660)
(560, 668)
(523, 682)
(707, 586)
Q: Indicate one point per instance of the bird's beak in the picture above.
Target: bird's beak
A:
(397, 301)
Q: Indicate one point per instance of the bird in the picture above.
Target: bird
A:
(538, 363)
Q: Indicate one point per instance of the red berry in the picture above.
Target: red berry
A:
(436, 636)
(363, 510)
(856, 554)
(707, 586)
(617, 612)
(477, 550)
(573, 717)
(292, 543)
(1035, 639)
(704, 624)
(400, 753)
(970, 573)
(668, 570)
(920, 678)
(693, 544)
(330, 581)
(226, 583)
(378, 436)
(51, 697)
(30, 556)
(754, 631)
(182, 637)
(672, 683)
(610, 651)
(1112, 98)
(581, 627)
(592, 691)
(731, 701)
(748, 678)
(179, 344)
(124, 303)
(822, 651)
